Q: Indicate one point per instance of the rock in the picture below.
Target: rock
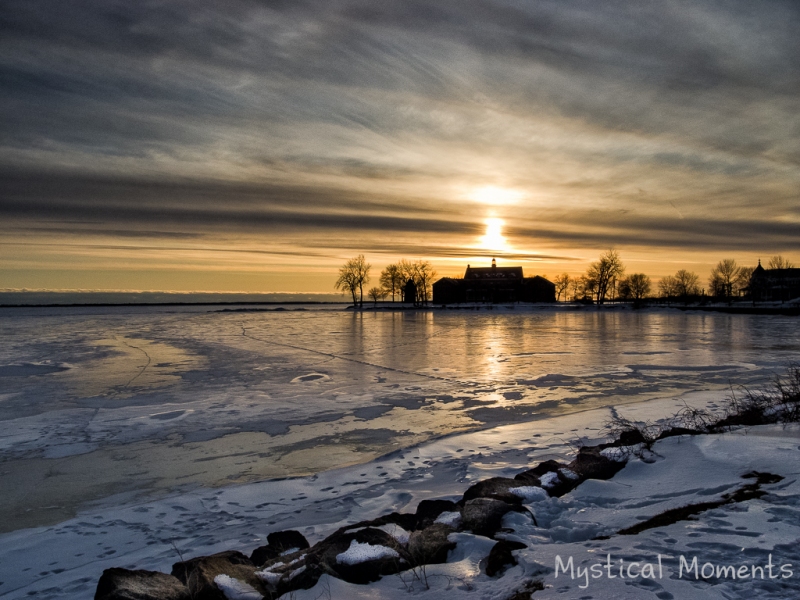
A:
(483, 516)
(536, 473)
(429, 510)
(631, 437)
(497, 488)
(430, 545)
(406, 521)
(122, 584)
(500, 557)
(564, 482)
(590, 464)
(326, 552)
(198, 574)
(278, 542)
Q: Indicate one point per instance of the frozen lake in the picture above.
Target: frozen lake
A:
(136, 403)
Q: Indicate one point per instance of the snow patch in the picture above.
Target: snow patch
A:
(569, 474)
(530, 493)
(451, 518)
(297, 572)
(269, 577)
(235, 589)
(619, 454)
(359, 553)
(549, 479)
(398, 533)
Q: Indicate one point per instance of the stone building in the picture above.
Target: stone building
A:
(493, 284)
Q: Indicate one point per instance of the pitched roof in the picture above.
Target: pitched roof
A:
(514, 273)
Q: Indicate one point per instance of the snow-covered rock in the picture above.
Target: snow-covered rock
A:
(359, 553)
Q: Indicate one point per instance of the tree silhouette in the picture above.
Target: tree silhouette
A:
(604, 271)
(724, 277)
(778, 262)
(421, 272)
(376, 294)
(636, 287)
(352, 277)
(687, 284)
(562, 285)
(391, 280)
(668, 287)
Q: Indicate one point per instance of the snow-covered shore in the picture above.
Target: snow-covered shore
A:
(66, 560)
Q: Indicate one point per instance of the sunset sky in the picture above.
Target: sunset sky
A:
(255, 146)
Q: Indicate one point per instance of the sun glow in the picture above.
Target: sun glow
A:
(495, 196)
(493, 239)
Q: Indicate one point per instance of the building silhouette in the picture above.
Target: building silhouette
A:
(493, 284)
(774, 284)
(410, 292)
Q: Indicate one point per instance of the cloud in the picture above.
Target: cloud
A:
(178, 119)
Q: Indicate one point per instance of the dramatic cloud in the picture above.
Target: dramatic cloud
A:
(178, 134)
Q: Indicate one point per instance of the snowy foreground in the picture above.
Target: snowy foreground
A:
(759, 539)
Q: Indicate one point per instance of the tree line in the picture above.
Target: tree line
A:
(354, 276)
(606, 279)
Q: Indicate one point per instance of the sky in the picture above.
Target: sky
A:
(256, 145)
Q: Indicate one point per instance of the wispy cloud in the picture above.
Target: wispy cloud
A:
(669, 125)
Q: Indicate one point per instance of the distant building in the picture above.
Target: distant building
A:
(774, 284)
(410, 292)
(493, 284)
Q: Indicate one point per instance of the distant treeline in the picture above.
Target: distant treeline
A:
(605, 279)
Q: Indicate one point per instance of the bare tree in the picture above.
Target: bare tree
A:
(391, 280)
(742, 283)
(668, 287)
(604, 271)
(724, 277)
(424, 275)
(636, 287)
(352, 277)
(687, 284)
(778, 262)
(575, 287)
(562, 285)
(586, 288)
(376, 294)
(421, 272)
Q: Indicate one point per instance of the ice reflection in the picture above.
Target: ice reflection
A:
(150, 400)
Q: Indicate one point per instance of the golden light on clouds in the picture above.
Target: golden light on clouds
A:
(496, 196)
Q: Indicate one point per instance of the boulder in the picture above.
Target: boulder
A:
(326, 554)
(123, 584)
(590, 464)
(430, 545)
(553, 476)
(500, 557)
(429, 510)
(198, 574)
(497, 488)
(483, 516)
(536, 473)
(278, 542)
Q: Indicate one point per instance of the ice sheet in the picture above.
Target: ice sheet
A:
(124, 453)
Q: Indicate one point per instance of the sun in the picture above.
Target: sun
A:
(493, 239)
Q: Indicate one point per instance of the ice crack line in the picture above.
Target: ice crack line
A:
(144, 368)
(355, 360)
